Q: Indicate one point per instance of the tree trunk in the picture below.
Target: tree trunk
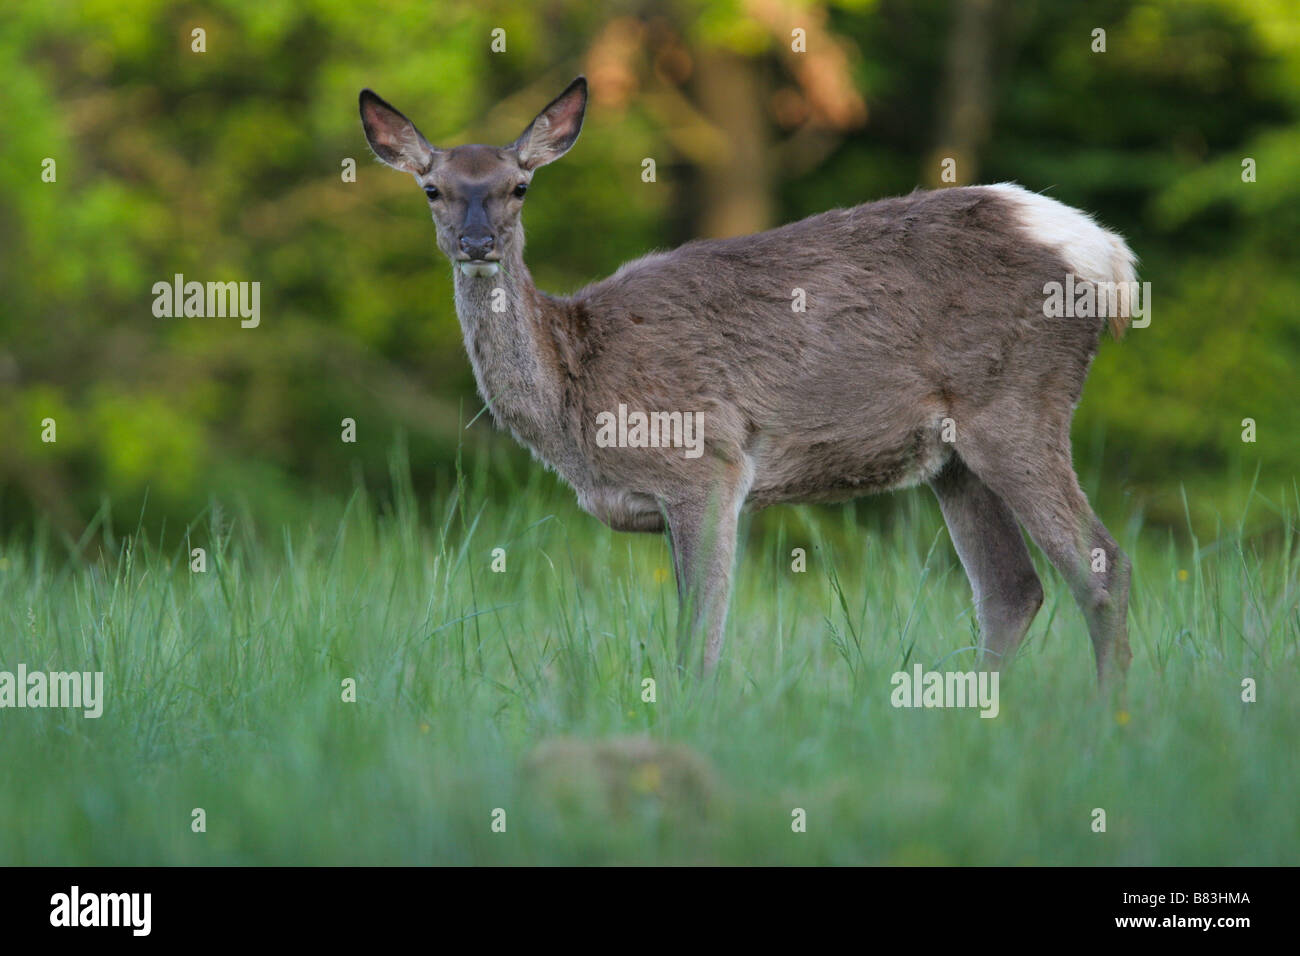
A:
(735, 189)
(965, 112)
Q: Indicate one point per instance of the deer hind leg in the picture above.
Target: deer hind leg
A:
(992, 550)
(1034, 475)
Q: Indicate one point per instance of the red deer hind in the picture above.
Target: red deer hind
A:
(923, 353)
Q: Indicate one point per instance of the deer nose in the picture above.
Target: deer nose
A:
(477, 247)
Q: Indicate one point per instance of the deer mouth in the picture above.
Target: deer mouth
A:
(478, 267)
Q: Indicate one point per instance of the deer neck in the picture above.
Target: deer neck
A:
(505, 320)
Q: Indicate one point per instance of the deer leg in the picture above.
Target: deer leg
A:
(992, 550)
(1036, 479)
(702, 535)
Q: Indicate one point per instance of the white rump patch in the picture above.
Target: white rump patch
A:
(1093, 252)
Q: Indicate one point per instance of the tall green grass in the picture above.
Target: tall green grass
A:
(523, 690)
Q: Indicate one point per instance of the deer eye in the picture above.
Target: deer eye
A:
(520, 190)
(432, 192)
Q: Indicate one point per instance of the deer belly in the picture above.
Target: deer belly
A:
(622, 510)
(841, 469)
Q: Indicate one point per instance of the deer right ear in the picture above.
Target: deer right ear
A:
(393, 137)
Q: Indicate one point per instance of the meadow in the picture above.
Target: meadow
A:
(522, 691)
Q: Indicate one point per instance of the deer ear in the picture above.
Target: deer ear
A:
(393, 137)
(555, 129)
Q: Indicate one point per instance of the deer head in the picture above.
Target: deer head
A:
(475, 192)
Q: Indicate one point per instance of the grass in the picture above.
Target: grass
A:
(523, 690)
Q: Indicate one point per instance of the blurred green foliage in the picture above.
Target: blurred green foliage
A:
(226, 165)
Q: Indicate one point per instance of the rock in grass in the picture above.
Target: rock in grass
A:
(620, 775)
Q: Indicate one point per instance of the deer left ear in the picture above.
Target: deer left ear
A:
(555, 129)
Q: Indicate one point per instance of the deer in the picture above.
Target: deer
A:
(922, 354)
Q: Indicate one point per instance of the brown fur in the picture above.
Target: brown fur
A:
(919, 309)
